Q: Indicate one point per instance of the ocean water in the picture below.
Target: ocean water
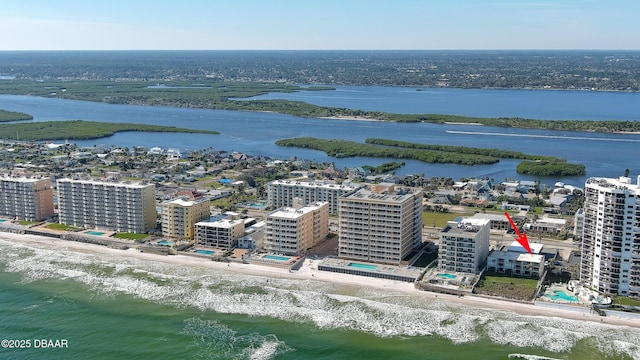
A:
(110, 307)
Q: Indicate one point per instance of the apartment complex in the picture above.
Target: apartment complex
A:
(611, 236)
(516, 261)
(293, 230)
(380, 224)
(121, 207)
(464, 245)
(222, 234)
(26, 198)
(181, 214)
(280, 193)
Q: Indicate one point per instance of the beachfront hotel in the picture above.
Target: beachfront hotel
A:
(611, 236)
(464, 245)
(221, 234)
(181, 214)
(293, 230)
(26, 198)
(122, 207)
(280, 193)
(380, 224)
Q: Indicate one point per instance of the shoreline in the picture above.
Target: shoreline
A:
(309, 272)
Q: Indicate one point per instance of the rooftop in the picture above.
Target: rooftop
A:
(294, 213)
(515, 247)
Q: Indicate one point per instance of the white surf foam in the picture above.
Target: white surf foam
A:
(310, 301)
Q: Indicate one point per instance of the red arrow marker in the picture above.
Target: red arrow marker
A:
(522, 238)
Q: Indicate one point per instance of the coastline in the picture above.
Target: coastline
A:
(350, 118)
(309, 272)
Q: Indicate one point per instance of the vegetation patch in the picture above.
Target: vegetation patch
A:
(444, 154)
(550, 168)
(28, 223)
(62, 227)
(627, 301)
(440, 219)
(345, 148)
(14, 116)
(130, 236)
(507, 287)
(81, 130)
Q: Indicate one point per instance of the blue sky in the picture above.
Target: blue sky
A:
(318, 24)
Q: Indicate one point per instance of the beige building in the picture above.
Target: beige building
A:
(180, 215)
(464, 245)
(221, 234)
(26, 198)
(380, 224)
(122, 207)
(610, 261)
(281, 193)
(291, 231)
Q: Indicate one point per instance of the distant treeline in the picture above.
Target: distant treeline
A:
(383, 148)
(540, 69)
(79, 130)
(13, 116)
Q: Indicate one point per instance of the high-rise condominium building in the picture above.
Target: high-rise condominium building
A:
(280, 193)
(292, 231)
(611, 236)
(118, 206)
(380, 224)
(26, 198)
(181, 214)
(464, 245)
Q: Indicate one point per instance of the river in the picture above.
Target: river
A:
(255, 132)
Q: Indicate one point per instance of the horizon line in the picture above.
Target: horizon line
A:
(312, 50)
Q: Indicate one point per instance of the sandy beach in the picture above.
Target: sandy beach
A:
(309, 272)
(350, 118)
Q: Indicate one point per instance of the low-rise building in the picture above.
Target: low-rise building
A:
(546, 225)
(516, 263)
(496, 221)
(221, 234)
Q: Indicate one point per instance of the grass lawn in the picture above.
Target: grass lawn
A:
(27, 223)
(623, 300)
(507, 287)
(62, 227)
(130, 236)
(440, 219)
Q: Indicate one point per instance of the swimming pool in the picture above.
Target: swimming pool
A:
(561, 295)
(166, 243)
(363, 266)
(205, 252)
(96, 233)
(2, 220)
(445, 275)
(277, 258)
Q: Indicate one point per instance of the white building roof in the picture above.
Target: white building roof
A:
(515, 247)
(222, 223)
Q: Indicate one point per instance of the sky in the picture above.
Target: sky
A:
(318, 24)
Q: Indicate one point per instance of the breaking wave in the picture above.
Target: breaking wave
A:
(322, 304)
